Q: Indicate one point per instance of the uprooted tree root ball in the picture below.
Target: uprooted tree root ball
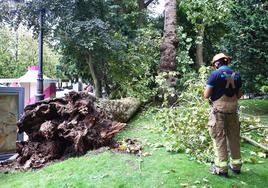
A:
(62, 127)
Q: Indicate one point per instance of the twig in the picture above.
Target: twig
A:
(251, 129)
(254, 143)
(140, 160)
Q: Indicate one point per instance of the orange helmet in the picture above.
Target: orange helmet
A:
(221, 56)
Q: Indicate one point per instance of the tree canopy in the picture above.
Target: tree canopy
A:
(98, 40)
(246, 41)
(18, 50)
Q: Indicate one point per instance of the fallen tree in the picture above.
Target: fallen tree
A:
(61, 128)
(120, 109)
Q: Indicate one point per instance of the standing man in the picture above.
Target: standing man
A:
(223, 90)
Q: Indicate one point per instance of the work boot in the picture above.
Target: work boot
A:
(236, 171)
(213, 170)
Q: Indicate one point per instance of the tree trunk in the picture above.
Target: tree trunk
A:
(141, 18)
(105, 81)
(170, 43)
(17, 45)
(142, 4)
(168, 54)
(120, 110)
(96, 80)
(199, 48)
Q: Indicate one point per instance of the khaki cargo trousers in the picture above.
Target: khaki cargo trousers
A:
(224, 129)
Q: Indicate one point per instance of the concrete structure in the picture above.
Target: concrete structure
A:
(11, 108)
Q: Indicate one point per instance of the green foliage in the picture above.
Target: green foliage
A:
(132, 70)
(258, 134)
(96, 32)
(245, 41)
(18, 50)
(140, 72)
(83, 30)
(183, 58)
(185, 127)
(254, 107)
(205, 12)
(77, 29)
(204, 15)
(264, 87)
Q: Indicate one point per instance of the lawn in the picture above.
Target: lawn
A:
(106, 168)
(255, 107)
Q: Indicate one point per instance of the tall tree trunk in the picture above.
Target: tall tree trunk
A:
(141, 18)
(17, 45)
(96, 80)
(142, 4)
(168, 54)
(199, 48)
(105, 74)
(170, 43)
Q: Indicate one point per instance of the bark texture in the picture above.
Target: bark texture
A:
(95, 76)
(120, 110)
(142, 5)
(199, 49)
(63, 127)
(141, 17)
(170, 43)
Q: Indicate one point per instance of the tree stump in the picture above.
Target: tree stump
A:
(63, 127)
(120, 110)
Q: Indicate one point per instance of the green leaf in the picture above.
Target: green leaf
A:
(262, 155)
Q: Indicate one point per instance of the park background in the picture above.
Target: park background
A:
(116, 47)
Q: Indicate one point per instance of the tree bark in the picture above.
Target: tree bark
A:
(96, 80)
(120, 110)
(105, 80)
(199, 48)
(170, 43)
(141, 18)
(16, 44)
(62, 127)
(141, 4)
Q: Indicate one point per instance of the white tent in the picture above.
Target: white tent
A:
(32, 75)
(29, 82)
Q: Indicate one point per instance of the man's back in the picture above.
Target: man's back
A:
(224, 81)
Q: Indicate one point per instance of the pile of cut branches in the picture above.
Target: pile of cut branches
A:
(184, 127)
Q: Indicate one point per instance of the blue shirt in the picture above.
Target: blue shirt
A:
(217, 80)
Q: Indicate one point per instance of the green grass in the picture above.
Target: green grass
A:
(105, 168)
(256, 107)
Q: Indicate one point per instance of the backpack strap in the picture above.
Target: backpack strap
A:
(230, 80)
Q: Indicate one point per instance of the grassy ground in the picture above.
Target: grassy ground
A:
(105, 168)
(256, 107)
